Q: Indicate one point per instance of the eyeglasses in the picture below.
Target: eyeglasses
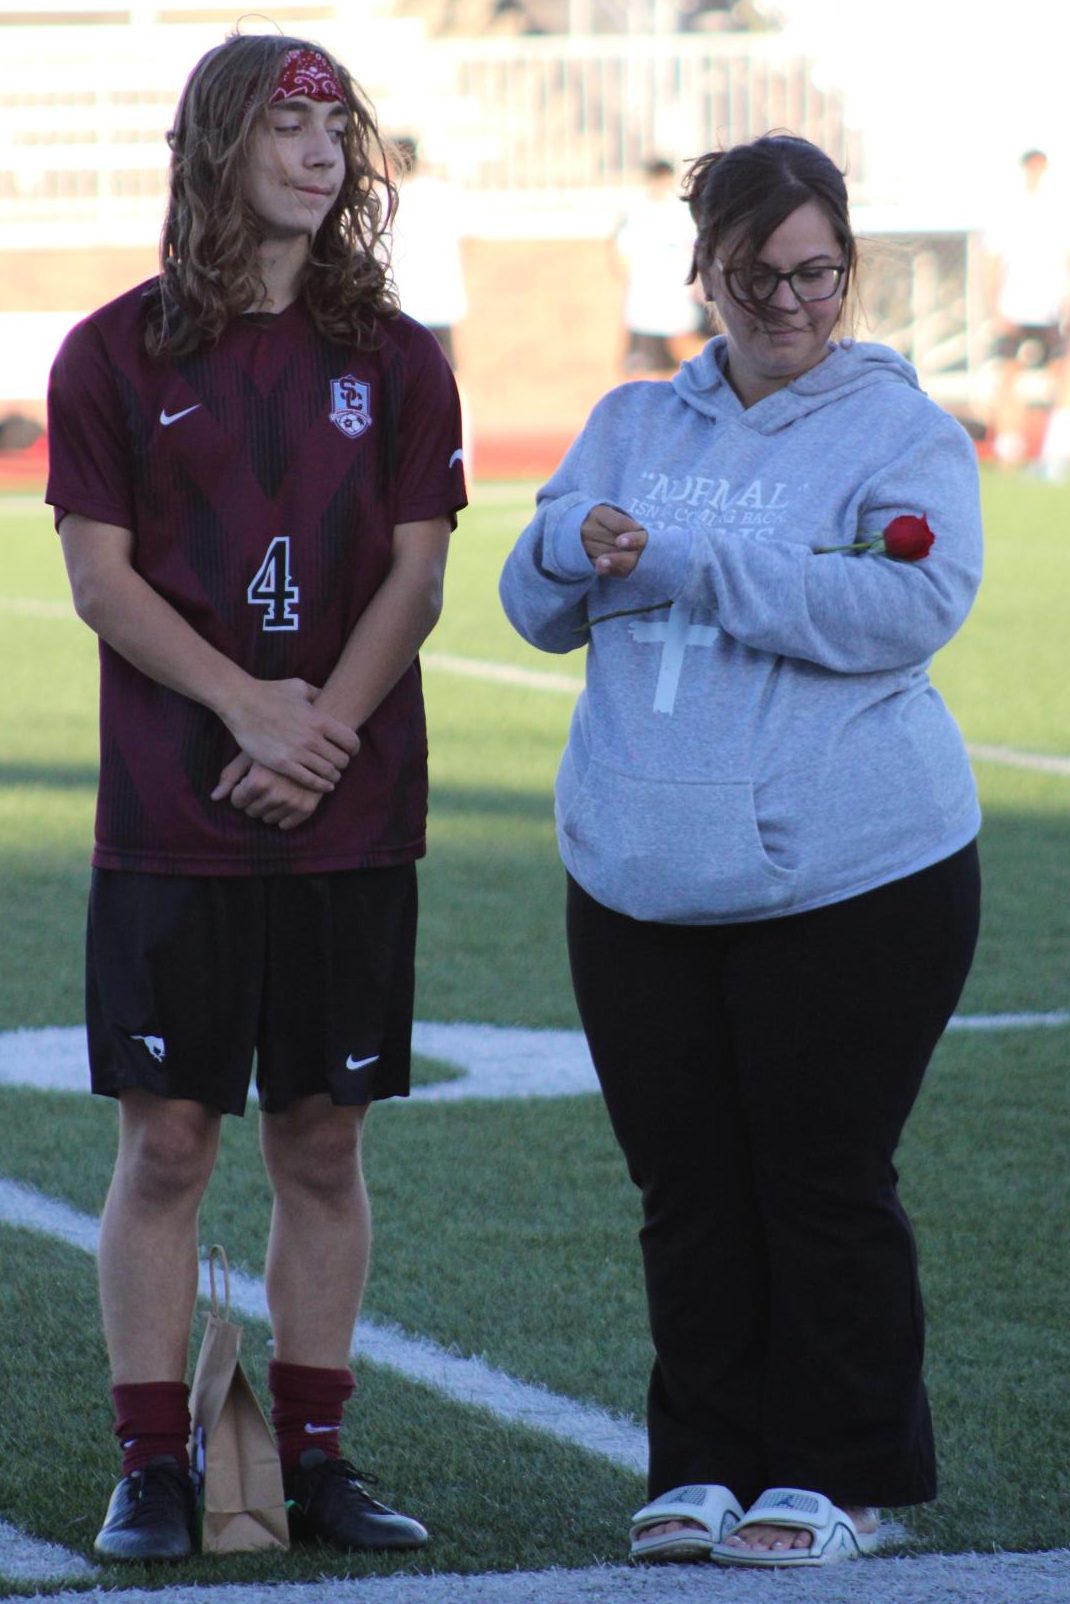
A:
(759, 283)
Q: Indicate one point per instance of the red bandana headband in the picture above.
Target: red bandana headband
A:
(307, 73)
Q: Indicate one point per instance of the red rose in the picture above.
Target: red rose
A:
(908, 538)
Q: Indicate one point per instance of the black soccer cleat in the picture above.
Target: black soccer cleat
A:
(150, 1515)
(328, 1504)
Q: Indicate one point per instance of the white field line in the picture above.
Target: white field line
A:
(497, 1061)
(1006, 755)
(534, 679)
(541, 680)
(1049, 1021)
(1030, 1579)
(36, 607)
(933, 1579)
(1027, 1578)
(467, 1381)
(28, 1559)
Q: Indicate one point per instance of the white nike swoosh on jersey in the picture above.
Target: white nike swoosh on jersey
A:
(314, 1429)
(359, 1063)
(458, 456)
(167, 418)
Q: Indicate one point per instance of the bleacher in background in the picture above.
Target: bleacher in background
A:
(541, 133)
(81, 147)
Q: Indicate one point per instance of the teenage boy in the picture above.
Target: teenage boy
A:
(255, 470)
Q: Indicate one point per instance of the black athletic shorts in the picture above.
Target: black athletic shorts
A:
(187, 977)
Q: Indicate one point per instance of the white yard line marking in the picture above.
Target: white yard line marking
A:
(27, 1559)
(929, 1579)
(532, 679)
(498, 1061)
(933, 1579)
(1051, 1021)
(541, 680)
(1042, 761)
(502, 1062)
(36, 607)
(467, 1381)
(487, 1051)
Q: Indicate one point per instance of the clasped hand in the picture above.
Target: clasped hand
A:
(291, 754)
(612, 540)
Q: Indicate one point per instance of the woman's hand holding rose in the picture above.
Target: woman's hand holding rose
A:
(612, 540)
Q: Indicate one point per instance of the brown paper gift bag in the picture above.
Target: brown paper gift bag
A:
(240, 1501)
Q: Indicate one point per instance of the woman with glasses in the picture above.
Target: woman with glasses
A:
(768, 820)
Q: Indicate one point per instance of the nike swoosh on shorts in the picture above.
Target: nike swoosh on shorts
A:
(359, 1063)
(167, 418)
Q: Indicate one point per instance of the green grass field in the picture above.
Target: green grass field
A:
(506, 1229)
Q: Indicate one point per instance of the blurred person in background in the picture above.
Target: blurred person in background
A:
(1028, 277)
(255, 469)
(653, 246)
(768, 820)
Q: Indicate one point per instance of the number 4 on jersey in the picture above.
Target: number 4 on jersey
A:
(272, 587)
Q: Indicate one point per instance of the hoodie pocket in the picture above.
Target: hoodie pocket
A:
(677, 851)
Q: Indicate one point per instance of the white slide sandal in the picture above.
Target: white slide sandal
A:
(714, 1510)
(835, 1535)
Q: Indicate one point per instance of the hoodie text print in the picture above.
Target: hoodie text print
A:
(770, 742)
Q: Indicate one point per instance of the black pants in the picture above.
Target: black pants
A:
(758, 1078)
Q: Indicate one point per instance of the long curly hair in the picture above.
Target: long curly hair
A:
(209, 266)
(738, 197)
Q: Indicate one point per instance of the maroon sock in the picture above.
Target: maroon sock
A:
(151, 1418)
(306, 1409)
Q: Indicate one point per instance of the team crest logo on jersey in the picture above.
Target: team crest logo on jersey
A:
(351, 405)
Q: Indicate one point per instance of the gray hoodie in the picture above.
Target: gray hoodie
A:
(771, 741)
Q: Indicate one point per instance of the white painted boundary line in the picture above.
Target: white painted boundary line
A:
(1049, 1021)
(1028, 1579)
(34, 607)
(1020, 760)
(28, 1559)
(533, 679)
(542, 680)
(466, 1381)
(497, 1061)
(934, 1579)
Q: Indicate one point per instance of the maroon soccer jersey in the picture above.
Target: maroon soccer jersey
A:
(262, 479)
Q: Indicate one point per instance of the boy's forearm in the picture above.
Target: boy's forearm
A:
(389, 633)
(135, 621)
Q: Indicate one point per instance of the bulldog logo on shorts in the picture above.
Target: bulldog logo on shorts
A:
(351, 405)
